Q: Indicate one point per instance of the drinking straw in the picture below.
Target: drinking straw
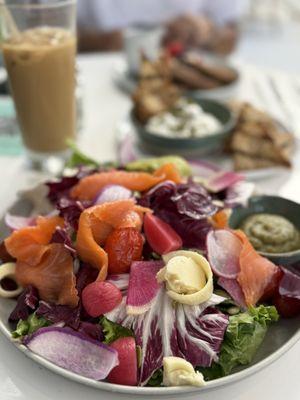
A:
(11, 25)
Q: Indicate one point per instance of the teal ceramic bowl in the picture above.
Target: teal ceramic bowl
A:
(270, 205)
(190, 146)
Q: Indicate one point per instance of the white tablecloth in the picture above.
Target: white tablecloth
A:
(104, 106)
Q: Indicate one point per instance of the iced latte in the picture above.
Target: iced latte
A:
(41, 66)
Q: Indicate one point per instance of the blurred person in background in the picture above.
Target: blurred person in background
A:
(208, 24)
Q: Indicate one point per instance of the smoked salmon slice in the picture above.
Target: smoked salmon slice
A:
(97, 222)
(48, 267)
(220, 219)
(256, 272)
(53, 276)
(26, 244)
(89, 187)
(170, 172)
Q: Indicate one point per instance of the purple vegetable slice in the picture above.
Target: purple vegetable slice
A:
(73, 351)
(112, 193)
(223, 252)
(223, 180)
(15, 222)
(143, 286)
(290, 283)
(239, 194)
(204, 169)
(126, 151)
(232, 287)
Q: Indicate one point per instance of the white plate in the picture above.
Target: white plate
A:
(280, 337)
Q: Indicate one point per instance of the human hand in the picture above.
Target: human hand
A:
(190, 31)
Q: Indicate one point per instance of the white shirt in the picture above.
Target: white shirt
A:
(118, 14)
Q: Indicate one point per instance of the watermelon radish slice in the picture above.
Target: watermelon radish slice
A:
(126, 372)
(160, 235)
(100, 298)
(223, 253)
(143, 286)
(74, 351)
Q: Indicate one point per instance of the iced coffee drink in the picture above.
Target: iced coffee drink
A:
(41, 66)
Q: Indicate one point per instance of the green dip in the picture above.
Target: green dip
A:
(271, 233)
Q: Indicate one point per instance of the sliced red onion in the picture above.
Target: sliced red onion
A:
(204, 169)
(15, 222)
(170, 184)
(239, 194)
(223, 180)
(223, 252)
(233, 288)
(73, 351)
(143, 286)
(112, 193)
(126, 150)
(120, 280)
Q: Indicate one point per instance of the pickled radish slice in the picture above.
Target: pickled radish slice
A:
(160, 235)
(126, 372)
(100, 298)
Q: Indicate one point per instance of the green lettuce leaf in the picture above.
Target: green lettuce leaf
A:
(78, 158)
(31, 325)
(156, 379)
(244, 335)
(113, 331)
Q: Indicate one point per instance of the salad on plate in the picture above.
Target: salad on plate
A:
(135, 278)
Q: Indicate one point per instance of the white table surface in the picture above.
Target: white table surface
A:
(105, 105)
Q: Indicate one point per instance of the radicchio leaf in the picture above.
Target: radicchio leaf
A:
(61, 235)
(92, 330)
(57, 313)
(61, 187)
(70, 210)
(26, 304)
(186, 207)
(200, 332)
(165, 330)
(85, 275)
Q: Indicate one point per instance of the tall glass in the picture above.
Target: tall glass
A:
(39, 49)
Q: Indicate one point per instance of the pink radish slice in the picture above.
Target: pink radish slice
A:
(73, 351)
(126, 372)
(233, 288)
(112, 193)
(204, 169)
(143, 286)
(223, 252)
(160, 235)
(223, 180)
(15, 222)
(100, 297)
